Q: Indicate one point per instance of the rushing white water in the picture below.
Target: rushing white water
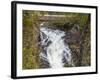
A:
(54, 48)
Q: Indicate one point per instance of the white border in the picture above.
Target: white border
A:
(36, 72)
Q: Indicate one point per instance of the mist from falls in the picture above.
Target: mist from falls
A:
(54, 49)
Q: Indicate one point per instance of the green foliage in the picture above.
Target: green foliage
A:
(30, 36)
(82, 20)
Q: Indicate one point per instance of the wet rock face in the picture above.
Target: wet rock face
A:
(73, 35)
(73, 38)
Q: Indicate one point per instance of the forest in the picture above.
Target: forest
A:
(76, 26)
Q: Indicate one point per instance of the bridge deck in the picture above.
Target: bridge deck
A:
(54, 17)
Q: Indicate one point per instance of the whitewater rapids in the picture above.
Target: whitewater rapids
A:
(54, 50)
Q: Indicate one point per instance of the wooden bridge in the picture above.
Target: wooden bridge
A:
(54, 17)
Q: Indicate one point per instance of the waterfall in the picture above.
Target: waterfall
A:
(54, 49)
